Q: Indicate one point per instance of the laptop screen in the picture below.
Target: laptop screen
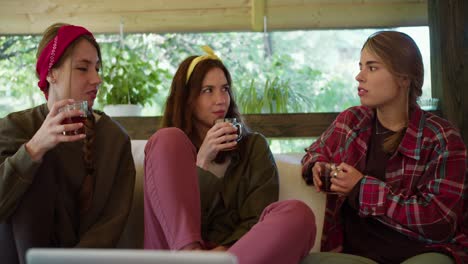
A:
(125, 256)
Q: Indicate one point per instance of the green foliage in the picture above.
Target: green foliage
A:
(131, 78)
(335, 96)
(275, 96)
(18, 83)
(293, 78)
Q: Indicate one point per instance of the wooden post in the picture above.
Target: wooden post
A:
(257, 13)
(448, 25)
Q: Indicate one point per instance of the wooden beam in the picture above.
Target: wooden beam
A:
(258, 12)
(298, 125)
(270, 125)
(448, 24)
(104, 16)
(345, 14)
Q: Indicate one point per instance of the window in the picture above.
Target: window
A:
(302, 71)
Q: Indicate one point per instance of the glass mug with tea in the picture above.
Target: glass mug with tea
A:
(327, 171)
(234, 123)
(77, 105)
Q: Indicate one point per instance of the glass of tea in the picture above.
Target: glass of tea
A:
(326, 173)
(77, 105)
(234, 123)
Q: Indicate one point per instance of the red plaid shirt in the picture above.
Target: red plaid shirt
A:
(425, 188)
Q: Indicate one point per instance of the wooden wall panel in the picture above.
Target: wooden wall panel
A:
(115, 6)
(298, 125)
(346, 15)
(33, 16)
(270, 125)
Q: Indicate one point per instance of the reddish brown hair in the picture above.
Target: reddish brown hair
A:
(178, 111)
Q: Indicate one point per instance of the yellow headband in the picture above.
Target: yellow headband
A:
(209, 55)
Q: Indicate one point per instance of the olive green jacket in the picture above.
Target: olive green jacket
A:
(38, 200)
(233, 204)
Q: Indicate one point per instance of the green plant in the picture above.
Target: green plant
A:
(130, 79)
(18, 84)
(275, 96)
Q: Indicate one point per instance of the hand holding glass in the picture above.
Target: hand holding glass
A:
(234, 123)
(327, 171)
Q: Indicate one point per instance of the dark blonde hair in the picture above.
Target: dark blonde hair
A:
(178, 111)
(50, 33)
(401, 56)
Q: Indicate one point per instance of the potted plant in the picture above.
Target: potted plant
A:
(275, 96)
(129, 83)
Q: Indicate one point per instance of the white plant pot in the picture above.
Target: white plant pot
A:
(122, 110)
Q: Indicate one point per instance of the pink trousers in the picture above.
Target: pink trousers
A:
(284, 234)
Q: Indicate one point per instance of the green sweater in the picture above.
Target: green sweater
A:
(38, 200)
(233, 204)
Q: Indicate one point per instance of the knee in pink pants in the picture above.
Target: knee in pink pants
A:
(285, 233)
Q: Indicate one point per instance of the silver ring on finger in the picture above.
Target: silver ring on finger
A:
(335, 174)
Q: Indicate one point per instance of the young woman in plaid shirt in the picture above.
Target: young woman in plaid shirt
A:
(401, 172)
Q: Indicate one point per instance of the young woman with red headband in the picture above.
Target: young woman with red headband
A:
(198, 195)
(61, 189)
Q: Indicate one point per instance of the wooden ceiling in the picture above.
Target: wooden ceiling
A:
(105, 16)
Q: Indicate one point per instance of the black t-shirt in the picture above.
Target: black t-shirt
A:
(368, 237)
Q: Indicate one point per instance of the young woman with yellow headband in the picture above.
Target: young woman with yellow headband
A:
(59, 189)
(198, 195)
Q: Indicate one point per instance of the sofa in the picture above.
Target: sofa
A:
(291, 187)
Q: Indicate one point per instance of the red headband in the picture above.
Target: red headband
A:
(55, 49)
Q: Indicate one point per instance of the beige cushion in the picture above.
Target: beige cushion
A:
(293, 187)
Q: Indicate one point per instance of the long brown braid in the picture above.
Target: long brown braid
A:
(87, 186)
